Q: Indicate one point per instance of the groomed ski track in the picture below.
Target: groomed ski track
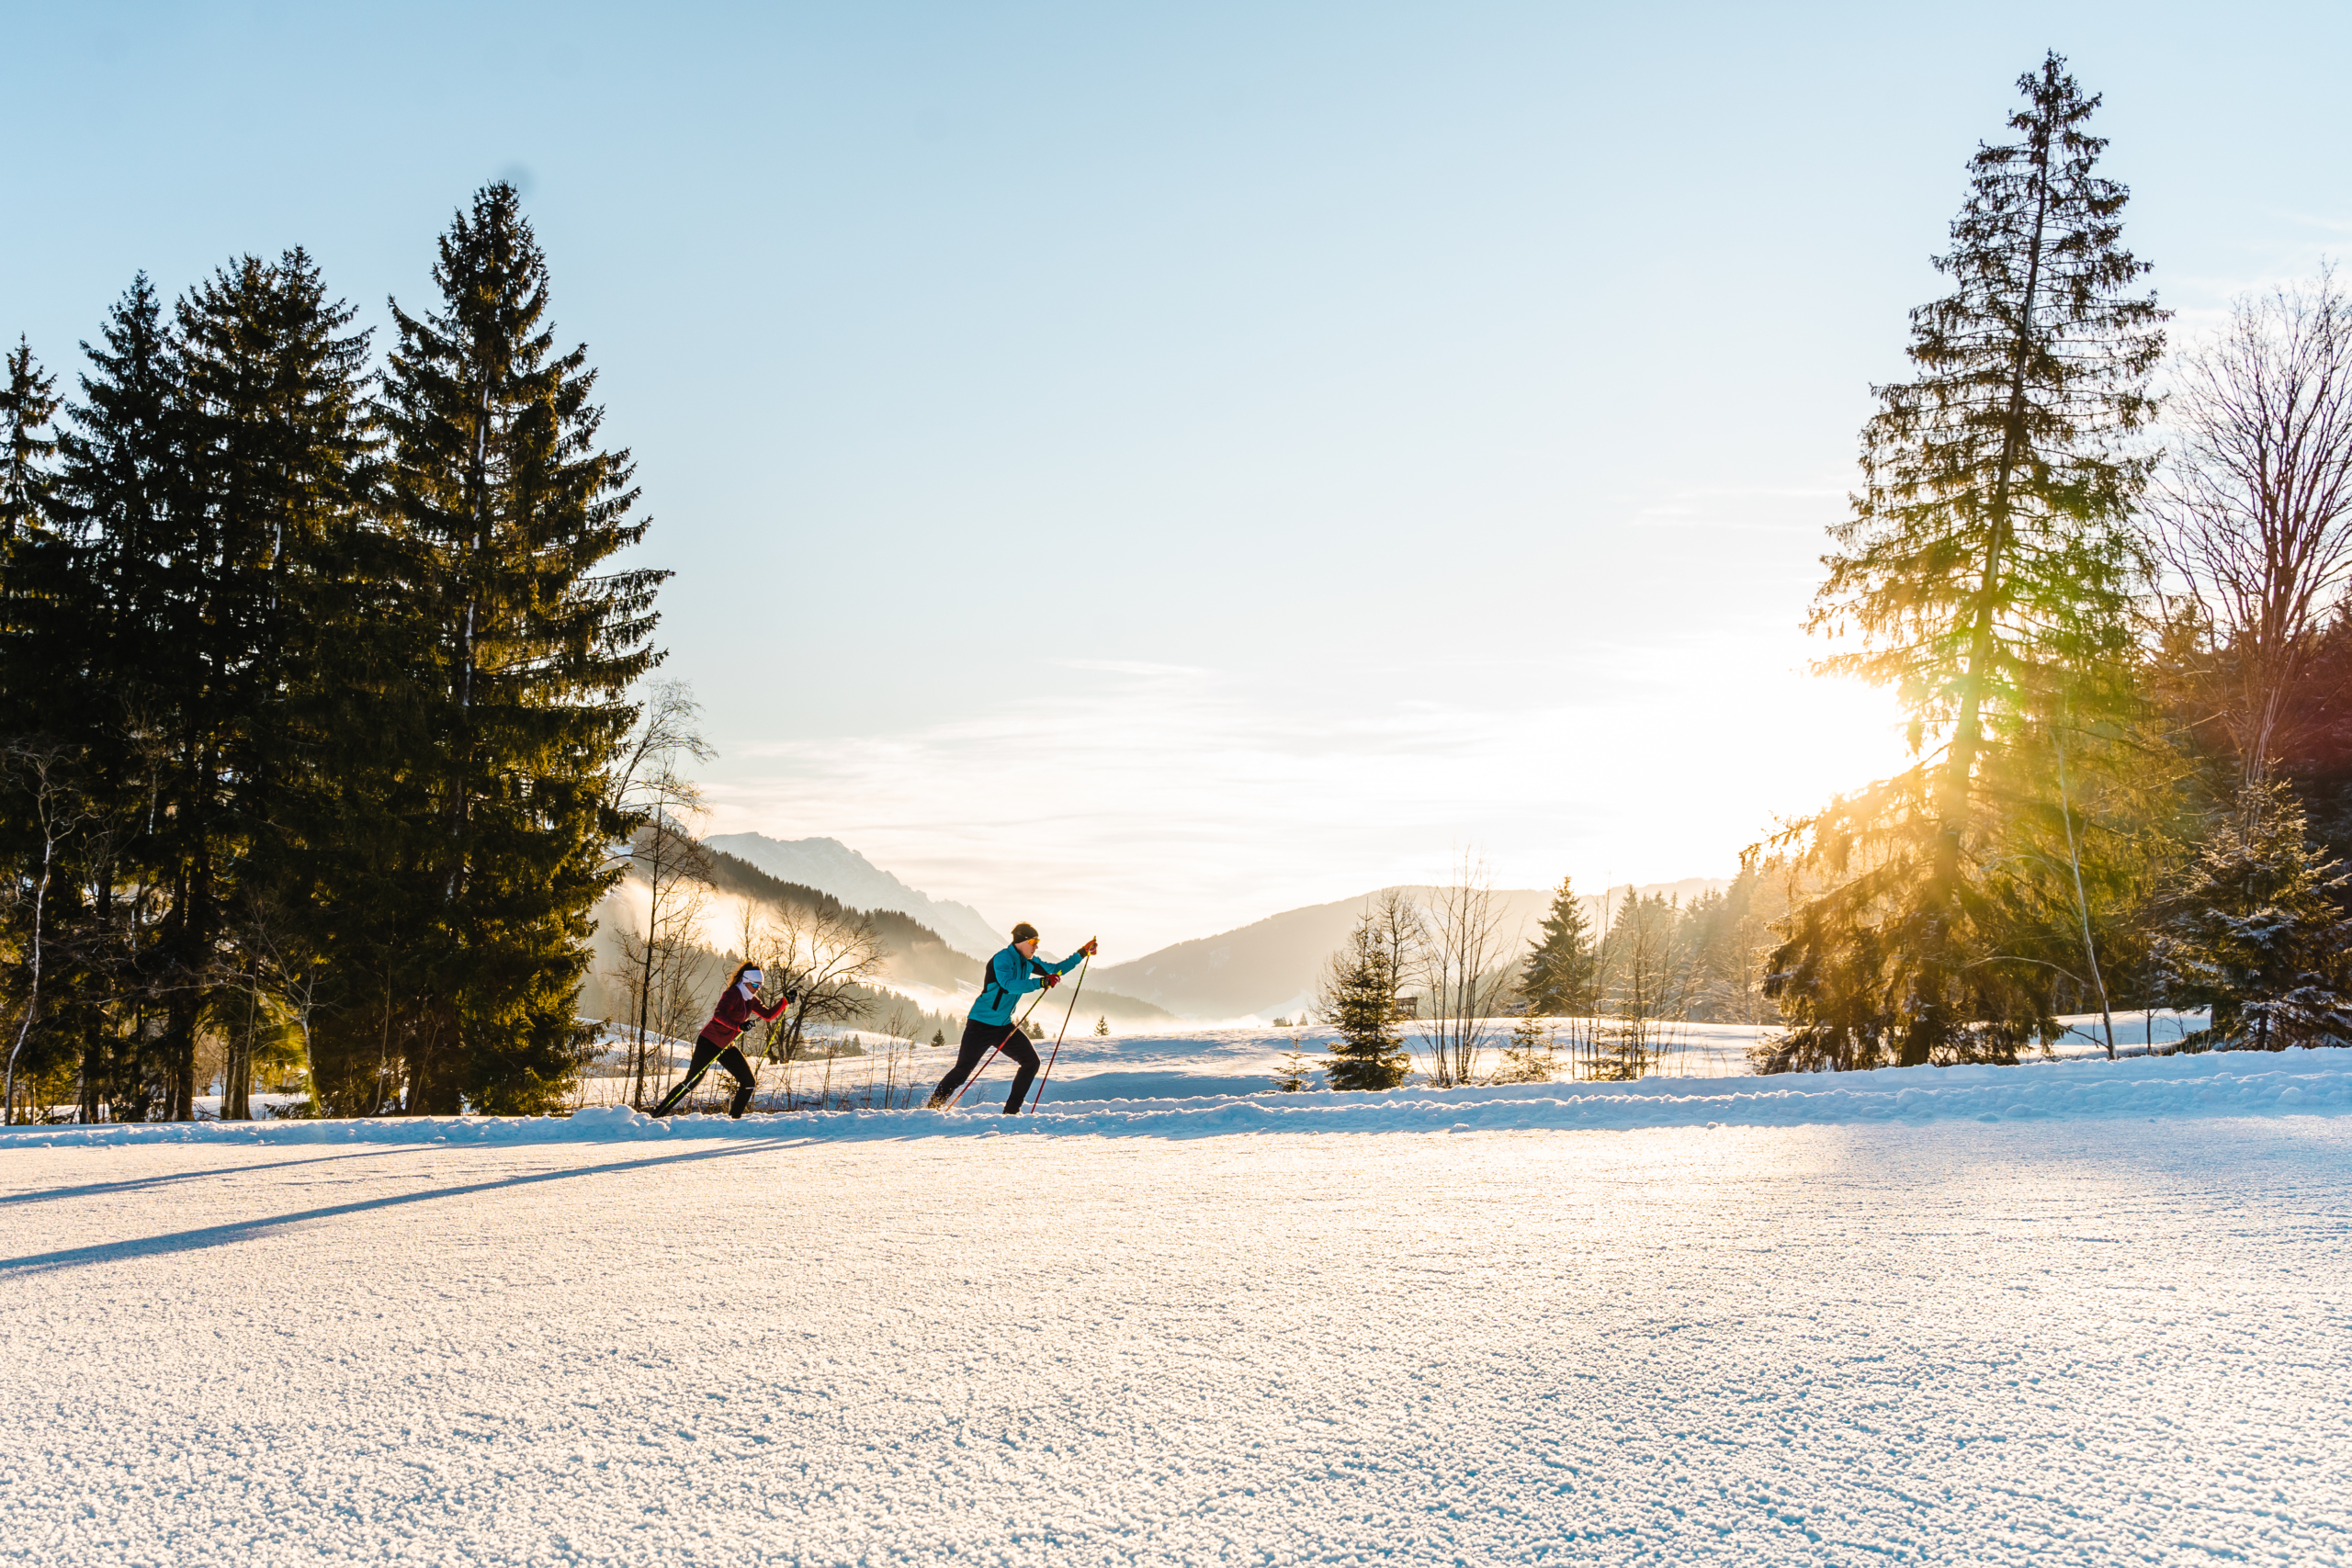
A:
(2077, 1312)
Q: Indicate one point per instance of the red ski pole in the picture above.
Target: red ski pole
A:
(1056, 1056)
(998, 1046)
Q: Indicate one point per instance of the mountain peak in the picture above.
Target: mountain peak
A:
(831, 866)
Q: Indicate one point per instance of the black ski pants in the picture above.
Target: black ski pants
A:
(728, 1056)
(979, 1040)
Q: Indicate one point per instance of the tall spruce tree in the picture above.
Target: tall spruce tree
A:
(110, 636)
(1561, 974)
(1988, 568)
(525, 644)
(276, 414)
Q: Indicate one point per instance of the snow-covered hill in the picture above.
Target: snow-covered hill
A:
(831, 866)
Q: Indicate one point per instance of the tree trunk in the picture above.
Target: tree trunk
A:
(237, 1066)
(1955, 783)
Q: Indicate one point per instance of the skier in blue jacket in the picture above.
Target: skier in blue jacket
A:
(1011, 975)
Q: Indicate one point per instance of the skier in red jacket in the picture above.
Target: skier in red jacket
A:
(734, 1014)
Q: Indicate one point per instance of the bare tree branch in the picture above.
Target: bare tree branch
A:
(2256, 509)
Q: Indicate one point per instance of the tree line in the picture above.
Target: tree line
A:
(1594, 992)
(316, 671)
(2116, 615)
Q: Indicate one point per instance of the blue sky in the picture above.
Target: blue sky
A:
(1143, 467)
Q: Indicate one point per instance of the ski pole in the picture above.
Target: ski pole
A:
(984, 1067)
(801, 1016)
(1076, 991)
(671, 1100)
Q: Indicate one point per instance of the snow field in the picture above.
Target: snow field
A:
(1239, 1059)
(2213, 1084)
(2075, 1341)
(1242, 1059)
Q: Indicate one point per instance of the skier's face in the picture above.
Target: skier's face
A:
(1026, 949)
(752, 978)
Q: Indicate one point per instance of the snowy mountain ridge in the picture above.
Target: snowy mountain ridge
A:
(831, 866)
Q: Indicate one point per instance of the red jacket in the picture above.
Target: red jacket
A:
(734, 1015)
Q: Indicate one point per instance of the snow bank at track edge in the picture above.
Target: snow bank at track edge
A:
(2293, 1082)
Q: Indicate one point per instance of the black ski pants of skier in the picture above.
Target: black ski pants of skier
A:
(979, 1040)
(728, 1056)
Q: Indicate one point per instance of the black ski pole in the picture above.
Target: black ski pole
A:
(1076, 991)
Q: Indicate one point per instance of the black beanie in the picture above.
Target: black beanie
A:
(1025, 931)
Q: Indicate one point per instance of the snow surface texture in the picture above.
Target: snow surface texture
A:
(2072, 1313)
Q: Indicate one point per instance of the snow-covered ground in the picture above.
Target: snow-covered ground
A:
(867, 1070)
(2074, 1313)
(1245, 1059)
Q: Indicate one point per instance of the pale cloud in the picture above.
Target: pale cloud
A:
(1174, 802)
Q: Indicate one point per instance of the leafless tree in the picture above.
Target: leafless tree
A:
(2256, 511)
(823, 957)
(1400, 933)
(1467, 971)
(1646, 984)
(668, 729)
(58, 810)
(287, 978)
(662, 963)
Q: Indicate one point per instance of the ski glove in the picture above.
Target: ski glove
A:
(1052, 980)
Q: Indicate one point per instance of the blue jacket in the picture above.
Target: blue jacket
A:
(1008, 978)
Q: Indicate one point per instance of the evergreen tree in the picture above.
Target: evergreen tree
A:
(1102, 1027)
(273, 403)
(27, 406)
(1561, 976)
(1293, 1076)
(106, 635)
(524, 645)
(1988, 567)
(41, 810)
(162, 633)
(1360, 999)
(2259, 933)
(1532, 1055)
